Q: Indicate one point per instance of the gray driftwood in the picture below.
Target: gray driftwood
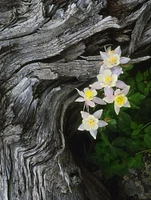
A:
(47, 49)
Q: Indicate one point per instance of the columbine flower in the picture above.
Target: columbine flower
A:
(105, 79)
(89, 97)
(91, 122)
(119, 98)
(113, 58)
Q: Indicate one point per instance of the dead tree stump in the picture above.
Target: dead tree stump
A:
(47, 49)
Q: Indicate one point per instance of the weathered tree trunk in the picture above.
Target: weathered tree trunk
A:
(47, 49)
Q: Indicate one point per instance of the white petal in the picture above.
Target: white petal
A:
(108, 99)
(127, 104)
(93, 133)
(117, 92)
(100, 77)
(85, 89)
(114, 79)
(124, 60)
(102, 68)
(102, 123)
(84, 114)
(117, 70)
(98, 113)
(107, 72)
(107, 63)
(81, 127)
(80, 92)
(96, 86)
(104, 55)
(126, 89)
(90, 103)
(118, 51)
(80, 99)
(108, 92)
(120, 84)
(117, 109)
(108, 49)
(99, 101)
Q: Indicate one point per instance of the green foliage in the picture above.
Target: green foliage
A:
(121, 144)
(135, 99)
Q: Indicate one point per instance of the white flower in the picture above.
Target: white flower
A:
(88, 96)
(119, 98)
(91, 122)
(105, 79)
(113, 58)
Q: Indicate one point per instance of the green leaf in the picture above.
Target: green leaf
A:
(129, 142)
(122, 153)
(107, 158)
(113, 152)
(102, 144)
(139, 76)
(146, 74)
(130, 161)
(134, 106)
(134, 145)
(124, 122)
(131, 81)
(138, 161)
(104, 150)
(146, 91)
(137, 131)
(119, 141)
(126, 67)
(112, 125)
(141, 86)
(147, 130)
(105, 139)
(140, 127)
(133, 125)
(147, 140)
(136, 98)
(149, 84)
(119, 169)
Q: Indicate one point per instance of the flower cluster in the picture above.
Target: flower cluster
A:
(113, 90)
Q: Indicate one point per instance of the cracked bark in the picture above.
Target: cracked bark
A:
(47, 49)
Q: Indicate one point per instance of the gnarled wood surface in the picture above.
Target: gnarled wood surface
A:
(47, 49)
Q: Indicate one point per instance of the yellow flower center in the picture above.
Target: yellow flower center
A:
(89, 94)
(91, 122)
(113, 60)
(108, 79)
(120, 100)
